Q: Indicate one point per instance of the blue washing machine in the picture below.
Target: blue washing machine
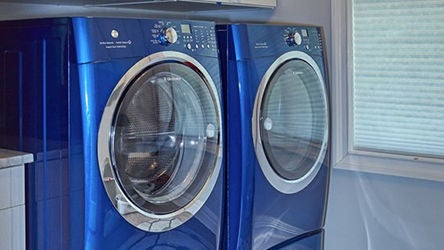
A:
(278, 132)
(125, 119)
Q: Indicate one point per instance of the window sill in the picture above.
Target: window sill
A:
(432, 171)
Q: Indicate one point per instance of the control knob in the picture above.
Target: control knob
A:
(293, 38)
(167, 36)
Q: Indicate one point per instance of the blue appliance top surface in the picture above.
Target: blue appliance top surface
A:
(256, 40)
(100, 39)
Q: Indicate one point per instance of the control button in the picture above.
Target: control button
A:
(197, 46)
(171, 35)
(203, 46)
(188, 45)
(114, 33)
(297, 38)
(294, 38)
(167, 36)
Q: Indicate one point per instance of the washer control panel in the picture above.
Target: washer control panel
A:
(124, 38)
(191, 36)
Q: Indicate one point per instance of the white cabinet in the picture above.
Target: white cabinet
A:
(12, 198)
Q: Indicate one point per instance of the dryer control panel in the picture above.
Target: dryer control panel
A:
(307, 37)
(271, 40)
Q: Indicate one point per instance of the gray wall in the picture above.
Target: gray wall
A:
(370, 211)
(366, 211)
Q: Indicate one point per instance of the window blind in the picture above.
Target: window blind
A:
(398, 76)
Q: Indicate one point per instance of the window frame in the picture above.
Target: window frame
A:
(343, 154)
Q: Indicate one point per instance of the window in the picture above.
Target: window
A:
(391, 90)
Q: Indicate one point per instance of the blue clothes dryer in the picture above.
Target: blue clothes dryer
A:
(278, 125)
(125, 119)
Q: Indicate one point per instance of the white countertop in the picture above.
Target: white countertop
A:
(10, 158)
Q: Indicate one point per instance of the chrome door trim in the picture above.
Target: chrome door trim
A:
(132, 213)
(281, 184)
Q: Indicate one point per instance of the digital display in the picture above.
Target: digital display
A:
(185, 28)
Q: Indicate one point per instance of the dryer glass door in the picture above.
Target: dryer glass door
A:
(165, 142)
(291, 122)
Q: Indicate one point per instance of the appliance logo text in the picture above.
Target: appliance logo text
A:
(116, 44)
(261, 45)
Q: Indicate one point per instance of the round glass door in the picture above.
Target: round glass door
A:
(160, 138)
(290, 122)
